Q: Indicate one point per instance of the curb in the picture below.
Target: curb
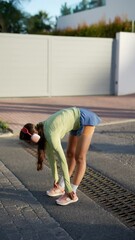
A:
(6, 135)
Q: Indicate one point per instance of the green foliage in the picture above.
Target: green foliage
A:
(39, 23)
(81, 6)
(101, 29)
(65, 10)
(3, 125)
(13, 20)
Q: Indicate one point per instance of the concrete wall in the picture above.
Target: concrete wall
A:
(113, 8)
(81, 66)
(23, 65)
(125, 63)
(32, 65)
(64, 66)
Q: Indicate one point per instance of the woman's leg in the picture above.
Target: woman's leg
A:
(71, 149)
(70, 155)
(82, 147)
(76, 157)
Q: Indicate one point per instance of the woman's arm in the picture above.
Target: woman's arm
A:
(63, 162)
(52, 162)
(54, 149)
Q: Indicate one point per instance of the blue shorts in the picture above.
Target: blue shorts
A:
(87, 118)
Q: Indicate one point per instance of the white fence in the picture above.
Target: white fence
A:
(125, 63)
(32, 65)
(23, 65)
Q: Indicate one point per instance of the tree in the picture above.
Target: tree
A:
(65, 10)
(39, 23)
(83, 4)
(98, 3)
(11, 18)
(101, 3)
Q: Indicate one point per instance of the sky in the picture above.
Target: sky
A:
(52, 7)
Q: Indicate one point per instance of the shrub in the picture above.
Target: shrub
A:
(101, 29)
(3, 125)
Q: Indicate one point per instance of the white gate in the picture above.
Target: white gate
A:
(32, 65)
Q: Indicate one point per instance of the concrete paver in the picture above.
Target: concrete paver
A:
(26, 216)
(23, 195)
(22, 216)
(18, 111)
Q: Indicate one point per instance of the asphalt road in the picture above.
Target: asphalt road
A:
(112, 153)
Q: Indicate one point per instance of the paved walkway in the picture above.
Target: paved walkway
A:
(22, 215)
(18, 111)
(26, 213)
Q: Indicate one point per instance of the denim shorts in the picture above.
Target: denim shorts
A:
(87, 118)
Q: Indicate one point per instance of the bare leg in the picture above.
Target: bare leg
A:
(76, 158)
(71, 149)
(82, 147)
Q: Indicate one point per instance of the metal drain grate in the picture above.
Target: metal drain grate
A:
(110, 195)
(107, 193)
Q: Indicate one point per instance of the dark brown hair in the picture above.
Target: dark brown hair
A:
(26, 136)
(41, 146)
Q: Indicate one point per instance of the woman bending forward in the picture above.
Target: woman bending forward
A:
(80, 123)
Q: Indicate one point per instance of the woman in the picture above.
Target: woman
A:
(80, 123)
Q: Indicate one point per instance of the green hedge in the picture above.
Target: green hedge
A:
(101, 29)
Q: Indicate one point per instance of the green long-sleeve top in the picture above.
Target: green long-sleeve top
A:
(55, 128)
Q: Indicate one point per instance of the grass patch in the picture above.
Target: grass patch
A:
(4, 127)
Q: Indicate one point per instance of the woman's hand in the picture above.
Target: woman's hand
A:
(71, 195)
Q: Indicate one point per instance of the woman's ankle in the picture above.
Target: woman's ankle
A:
(74, 187)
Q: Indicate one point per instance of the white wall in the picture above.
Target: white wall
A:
(32, 65)
(113, 8)
(23, 65)
(125, 63)
(81, 66)
(64, 66)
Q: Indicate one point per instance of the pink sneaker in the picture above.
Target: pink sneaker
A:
(55, 191)
(66, 199)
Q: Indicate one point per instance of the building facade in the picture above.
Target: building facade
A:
(108, 12)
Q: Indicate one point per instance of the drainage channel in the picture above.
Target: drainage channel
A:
(106, 192)
(110, 195)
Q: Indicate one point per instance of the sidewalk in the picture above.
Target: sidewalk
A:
(25, 212)
(21, 215)
(18, 111)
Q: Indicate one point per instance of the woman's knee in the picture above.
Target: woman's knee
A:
(70, 154)
(80, 159)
